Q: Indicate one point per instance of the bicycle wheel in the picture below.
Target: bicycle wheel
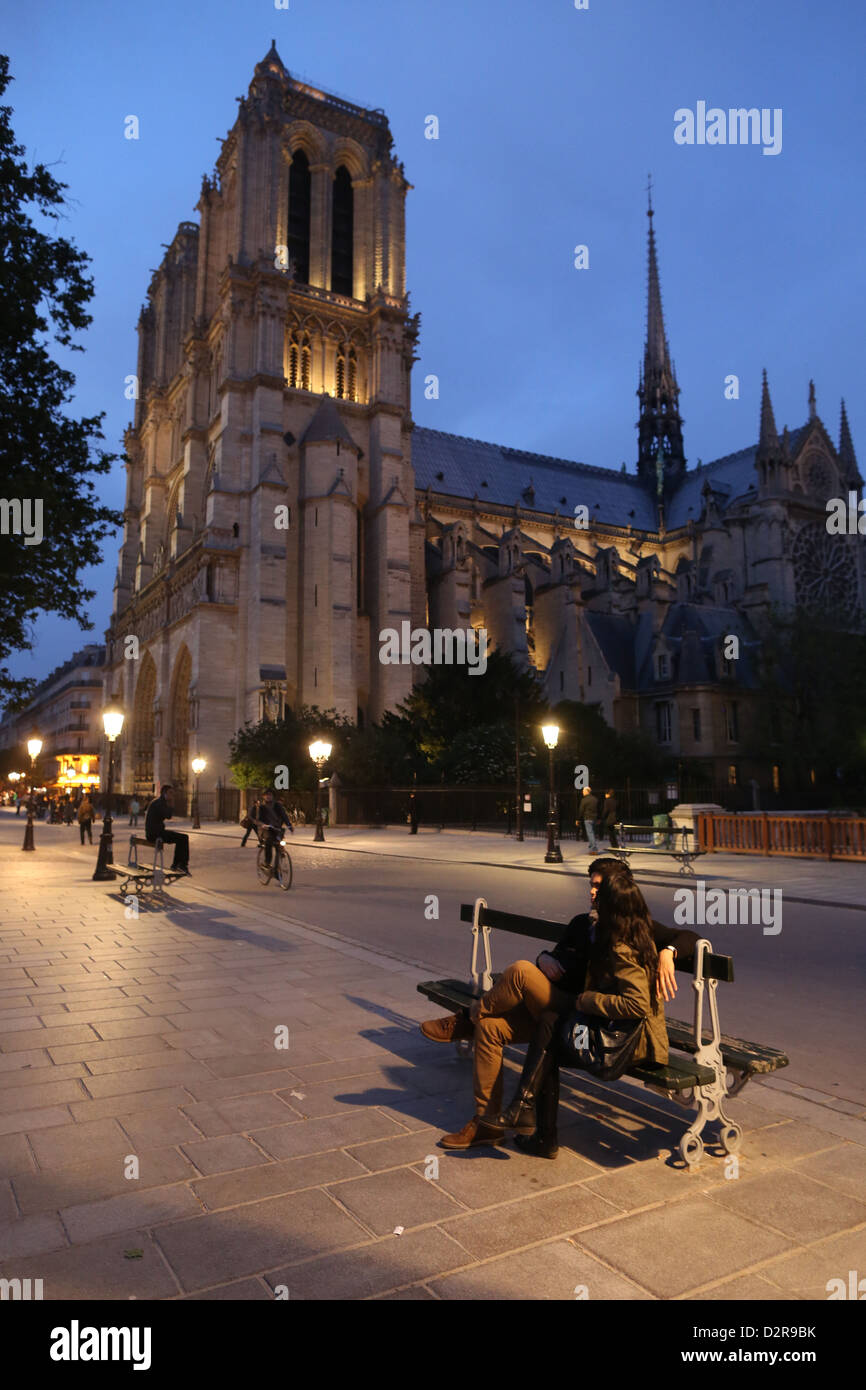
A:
(284, 869)
(264, 871)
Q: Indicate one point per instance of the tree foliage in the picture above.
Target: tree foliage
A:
(44, 454)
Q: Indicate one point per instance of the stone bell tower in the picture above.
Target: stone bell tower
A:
(270, 525)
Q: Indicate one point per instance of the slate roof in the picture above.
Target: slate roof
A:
(326, 425)
(467, 465)
(495, 473)
(692, 634)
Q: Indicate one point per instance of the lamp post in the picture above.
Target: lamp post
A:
(550, 734)
(112, 723)
(198, 767)
(320, 753)
(34, 748)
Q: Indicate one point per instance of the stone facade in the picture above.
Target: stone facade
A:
(282, 510)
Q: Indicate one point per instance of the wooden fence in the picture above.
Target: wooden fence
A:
(824, 837)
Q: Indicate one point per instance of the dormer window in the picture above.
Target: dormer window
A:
(662, 667)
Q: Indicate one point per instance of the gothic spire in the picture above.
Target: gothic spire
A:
(660, 423)
(847, 457)
(812, 408)
(768, 441)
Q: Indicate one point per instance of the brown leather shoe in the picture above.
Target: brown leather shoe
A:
(473, 1135)
(451, 1029)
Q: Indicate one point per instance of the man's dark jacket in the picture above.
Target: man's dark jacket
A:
(572, 949)
(158, 812)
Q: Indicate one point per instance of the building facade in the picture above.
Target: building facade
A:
(65, 711)
(282, 510)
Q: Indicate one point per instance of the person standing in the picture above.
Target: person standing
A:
(588, 817)
(158, 812)
(608, 817)
(85, 818)
(134, 811)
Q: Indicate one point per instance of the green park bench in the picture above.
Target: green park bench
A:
(154, 877)
(669, 840)
(713, 1067)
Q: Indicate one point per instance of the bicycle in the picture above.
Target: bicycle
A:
(280, 866)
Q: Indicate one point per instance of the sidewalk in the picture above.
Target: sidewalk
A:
(149, 1046)
(813, 881)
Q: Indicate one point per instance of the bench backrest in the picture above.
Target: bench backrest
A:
(716, 967)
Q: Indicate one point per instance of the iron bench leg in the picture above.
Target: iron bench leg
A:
(709, 1099)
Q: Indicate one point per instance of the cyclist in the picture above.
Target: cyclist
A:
(272, 816)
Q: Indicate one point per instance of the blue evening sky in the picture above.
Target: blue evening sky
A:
(550, 119)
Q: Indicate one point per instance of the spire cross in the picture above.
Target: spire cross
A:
(649, 195)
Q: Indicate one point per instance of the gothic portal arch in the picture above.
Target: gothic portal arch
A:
(178, 718)
(143, 725)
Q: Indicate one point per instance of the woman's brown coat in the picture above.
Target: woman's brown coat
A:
(624, 992)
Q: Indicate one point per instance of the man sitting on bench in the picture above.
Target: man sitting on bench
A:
(158, 812)
(508, 1012)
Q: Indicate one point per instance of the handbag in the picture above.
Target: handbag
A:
(246, 823)
(602, 1046)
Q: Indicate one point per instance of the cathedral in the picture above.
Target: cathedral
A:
(282, 510)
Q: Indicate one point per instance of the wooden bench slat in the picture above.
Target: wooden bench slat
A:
(736, 1052)
(716, 967)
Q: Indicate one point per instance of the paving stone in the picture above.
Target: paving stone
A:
(117, 1047)
(412, 1294)
(90, 1220)
(788, 1140)
(241, 1291)
(15, 1155)
(529, 1219)
(398, 1198)
(806, 1273)
(223, 1155)
(47, 1037)
(30, 1235)
(138, 1061)
(162, 1124)
(128, 1104)
(843, 1169)
(340, 1097)
(73, 1143)
(38, 1097)
(144, 1079)
(749, 1288)
(98, 1270)
(133, 1028)
(257, 1083)
(551, 1271)
(256, 1237)
(272, 1060)
(97, 1179)
(678, 1247)
(372, 1269)
(106, 1014)
(417, 1147)
(24, 1061)
(38, 1076)
(635, 1185)
(793, 1203)
(485, 1177)
(290, 1175)
(316, 1136)
(21, 1121)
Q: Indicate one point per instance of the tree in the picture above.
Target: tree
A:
(257, 751)
(45, 456)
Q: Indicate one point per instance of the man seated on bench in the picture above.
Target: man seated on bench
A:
(159, 811)
(508, 1013)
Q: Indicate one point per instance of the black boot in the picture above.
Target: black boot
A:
(539, 1060)
(544, 1143)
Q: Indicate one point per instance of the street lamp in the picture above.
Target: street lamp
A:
(34, 748)
(198, 767)
(112, 723)
(320, 752)
(550, 734)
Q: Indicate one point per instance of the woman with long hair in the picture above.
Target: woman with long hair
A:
(621, 983)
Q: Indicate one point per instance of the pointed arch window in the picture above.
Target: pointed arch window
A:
(352, 376)
(306, 364)
(342, 232)
(300, 202)
(294, 362)
(341, 373)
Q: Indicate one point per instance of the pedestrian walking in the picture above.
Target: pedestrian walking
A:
(588, 817)
(249, 820)
(134, 811)
(608, 817)
(85, 818)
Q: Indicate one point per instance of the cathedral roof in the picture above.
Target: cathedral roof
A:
(327, 425)
(692, 632)
(495, 473)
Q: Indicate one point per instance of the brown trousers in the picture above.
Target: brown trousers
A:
(508, 1014)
